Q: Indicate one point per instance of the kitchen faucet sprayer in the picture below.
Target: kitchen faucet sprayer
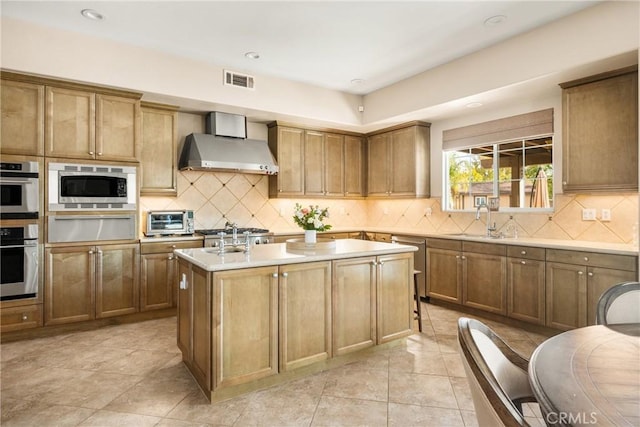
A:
(490, 228)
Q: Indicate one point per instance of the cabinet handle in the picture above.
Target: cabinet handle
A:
(381, 263)
(457, 256)
(173, 246)
(275, 275)
(99, 154)
(285, 274)
(170, 257)
(590, 274)
(374, 263)
(523, 252)
(464, 257)
(90, 252)
(580, 273)
(523, 262)
(586, 258)
(91, 153)
(99, 252)
(25, 317)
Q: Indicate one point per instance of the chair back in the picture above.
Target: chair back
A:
(619, 304)
(497, 375)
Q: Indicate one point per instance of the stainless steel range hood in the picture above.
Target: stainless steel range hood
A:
(224, 148)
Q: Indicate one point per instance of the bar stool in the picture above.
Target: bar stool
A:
(416, 297)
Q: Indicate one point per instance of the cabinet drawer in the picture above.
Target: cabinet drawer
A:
(161, 247)
(24, 317)
(484, 248)
(591, 259)
(452, 245)
(526, 252)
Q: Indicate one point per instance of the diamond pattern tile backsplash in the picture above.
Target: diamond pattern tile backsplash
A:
(244, 199)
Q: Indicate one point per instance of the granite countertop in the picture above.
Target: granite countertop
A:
(278, 254)
(572, 245)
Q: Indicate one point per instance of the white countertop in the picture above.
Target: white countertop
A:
(278, 254)
(171, 238)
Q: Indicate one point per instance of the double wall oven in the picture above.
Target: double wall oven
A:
(19, 229)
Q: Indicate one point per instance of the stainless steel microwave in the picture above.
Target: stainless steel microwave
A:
(19, 190)
(162, 223)
(91, 187)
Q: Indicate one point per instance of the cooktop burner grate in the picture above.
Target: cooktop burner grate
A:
(215, 231)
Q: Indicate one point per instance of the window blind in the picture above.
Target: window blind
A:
(509, 128)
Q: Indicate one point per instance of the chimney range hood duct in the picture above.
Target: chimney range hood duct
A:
(225, 148)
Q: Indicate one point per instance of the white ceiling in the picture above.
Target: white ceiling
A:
(324, 43)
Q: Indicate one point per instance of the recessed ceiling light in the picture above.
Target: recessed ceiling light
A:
(494, 20)
(92, 14)
(474, 105)
(252, 55)
(357, 81)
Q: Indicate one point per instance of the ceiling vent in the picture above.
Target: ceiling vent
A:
(231, 78)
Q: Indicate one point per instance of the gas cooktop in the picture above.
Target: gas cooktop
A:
(215, 231)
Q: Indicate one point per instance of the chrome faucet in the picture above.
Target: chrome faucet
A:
(234, 227)
(490, 228)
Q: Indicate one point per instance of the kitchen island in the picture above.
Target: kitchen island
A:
(248, 320)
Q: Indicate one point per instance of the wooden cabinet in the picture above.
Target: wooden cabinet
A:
(600, 132)
(444, 270)
(575, 280)
(398, 162)
(469, 273)
(484, 276)
(394, 289)
(158, 163)
(245, 325)
(287, 145)
(88, 282)
(22, 317)
(315, 163)
(22, 106)
(84, 125)
(526, 284)
(305, 314)
(354, 304)
(158, 288)
(194, 321)
(323, 164)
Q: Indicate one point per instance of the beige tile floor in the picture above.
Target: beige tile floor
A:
(132, 375)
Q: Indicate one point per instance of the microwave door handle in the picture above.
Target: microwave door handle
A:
(19, 181)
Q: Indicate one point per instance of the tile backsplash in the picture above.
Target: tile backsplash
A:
(244, 199)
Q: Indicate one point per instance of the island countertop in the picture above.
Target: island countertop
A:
(278, 254)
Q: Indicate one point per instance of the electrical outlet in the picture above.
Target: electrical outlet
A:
(606, 215)
(428, 212)
(588, 214)
(385, 211)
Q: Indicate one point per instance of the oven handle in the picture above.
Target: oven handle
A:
(19, 181)
(19, 246)
(73, 217)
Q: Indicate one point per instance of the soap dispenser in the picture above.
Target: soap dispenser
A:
(511, 229)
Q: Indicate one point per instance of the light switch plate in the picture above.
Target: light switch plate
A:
(588, 214)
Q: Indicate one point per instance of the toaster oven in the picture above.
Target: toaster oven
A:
(163, 223)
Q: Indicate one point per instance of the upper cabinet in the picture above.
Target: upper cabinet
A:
(398, 161)
(600, 132)
(315, 163)
(22, 130)
(158, 163)
(57, 118)
(84, 125)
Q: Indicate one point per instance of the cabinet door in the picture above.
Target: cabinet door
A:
(353, 166)
(201, 327)
(250, 303)
(156, 281)
(185, 302)
(69, 284)
(117, 283)
(117, 128)
(334, 165)
(395, 296)
(402, 162)
(600, 143)
(598, 281)
(305, 314)
(566, 291)
(288, 146)
(444, 275)
(354, 304)
(70, 125)
(314, 163)
(158, 159)
(525, 290)
(22, 130)
(484, 279)
(378, 166)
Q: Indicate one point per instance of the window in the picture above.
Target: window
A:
(518, 172)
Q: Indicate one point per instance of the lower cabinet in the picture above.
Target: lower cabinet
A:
(89, 282)
(526, 284)
(576, 280)
(21, 317)
(394, 288)
(158, 289)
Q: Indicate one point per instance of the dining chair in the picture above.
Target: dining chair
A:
(497, 375)
(619, 304)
